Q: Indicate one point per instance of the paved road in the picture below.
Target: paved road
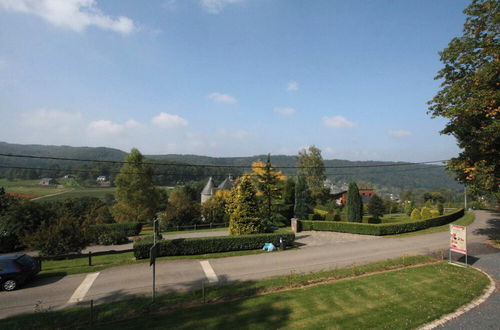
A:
(319, 251)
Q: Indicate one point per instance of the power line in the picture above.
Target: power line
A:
(214, 165)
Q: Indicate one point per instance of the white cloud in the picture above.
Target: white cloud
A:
(222, 98)
(104, 128)
(76, 15)
(132, 123)
(338, 122)
(53, 120)
(166, 120)
(329, 150)
(216, 6)
(292, 86)
(169, 5)
(285, 111)
(399, 133)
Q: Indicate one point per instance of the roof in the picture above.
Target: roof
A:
(209, 187)
(227, 184)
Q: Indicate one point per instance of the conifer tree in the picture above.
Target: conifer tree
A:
(301, 198)
(354, 204)
(376, 206)
(243, 209)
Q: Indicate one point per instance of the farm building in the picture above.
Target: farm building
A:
(47, 181)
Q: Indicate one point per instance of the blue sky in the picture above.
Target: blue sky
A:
(227, 77)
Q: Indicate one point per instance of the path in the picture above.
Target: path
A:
(320, 251)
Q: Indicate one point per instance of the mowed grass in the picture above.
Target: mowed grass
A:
(358, 297)
(402, 299)
(81, 265)
(81, 192)
(466, 220)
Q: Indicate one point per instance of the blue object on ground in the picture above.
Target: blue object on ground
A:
(269, 247)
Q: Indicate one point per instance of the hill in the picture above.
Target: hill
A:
(400, 177)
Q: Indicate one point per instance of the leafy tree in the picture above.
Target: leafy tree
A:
(214, 210)
(288, 199)
(354, 204)
(376, 206)
(470, 96)
(301, 198)
(58, 238)
(415, 214)
(243, 209)
(181, 210)
(269, 184)
(311, 166)
(136, 195)
(410, 205)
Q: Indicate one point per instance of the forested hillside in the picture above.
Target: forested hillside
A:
(402, 177)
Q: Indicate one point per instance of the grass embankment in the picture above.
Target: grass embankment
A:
(466, 220)
(399, 299)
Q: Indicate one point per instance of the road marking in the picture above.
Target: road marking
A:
(82, 290)
(209, 271)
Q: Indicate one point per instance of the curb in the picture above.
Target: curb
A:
(463, 309)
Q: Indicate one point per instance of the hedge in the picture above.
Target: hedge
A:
(379, 229)
(113, 233)
(202, 245)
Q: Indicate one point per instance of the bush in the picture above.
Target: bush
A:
(113, 233)
(202, 245)
(415, 214)
(315, 216)
(379, 229)
(425, 213)
(435, 213)
(440, 208)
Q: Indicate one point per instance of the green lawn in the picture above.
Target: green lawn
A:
(466, 220)
(396, 217)
(17, 183)
(398, 299)
(80, 265)
(82, 192)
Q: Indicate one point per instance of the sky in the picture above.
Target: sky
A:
(227, 77)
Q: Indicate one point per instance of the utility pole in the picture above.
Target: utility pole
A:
(465, 197)
(152, 257)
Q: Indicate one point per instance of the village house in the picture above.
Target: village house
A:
(210, 188)
(47, 181)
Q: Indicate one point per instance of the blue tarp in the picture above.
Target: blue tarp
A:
(269, 247)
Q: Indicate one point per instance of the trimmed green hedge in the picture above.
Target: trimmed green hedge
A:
(379, 229)
(113, 233)
(202, 245)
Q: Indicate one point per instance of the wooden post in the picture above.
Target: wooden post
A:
(90, 258)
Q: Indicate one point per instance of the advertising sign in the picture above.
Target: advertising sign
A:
(458, 242)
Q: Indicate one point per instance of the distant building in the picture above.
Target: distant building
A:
(365, 194)
(47, 181)
(101, 178)
(69, 176)
(209, 190)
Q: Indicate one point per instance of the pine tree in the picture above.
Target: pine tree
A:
(415, 214)
(136, 195)
(301, 198)
(354, 204)
(243, 209)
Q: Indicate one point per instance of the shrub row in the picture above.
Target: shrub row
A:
(113, 233)
(202, 245)
(379, 229)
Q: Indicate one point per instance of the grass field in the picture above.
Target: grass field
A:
(362, 297)
(466, 220)
(81, 192)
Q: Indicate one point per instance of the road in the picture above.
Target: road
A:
(320, 251)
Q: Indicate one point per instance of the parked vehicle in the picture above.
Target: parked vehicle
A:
(16, 269)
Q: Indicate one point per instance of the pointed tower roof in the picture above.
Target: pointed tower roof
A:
(209, 187)
(227, 184)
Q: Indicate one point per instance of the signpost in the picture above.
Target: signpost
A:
(458, 240)
(153, 252)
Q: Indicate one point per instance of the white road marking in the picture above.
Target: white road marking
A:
(209, 272)
(82, 290)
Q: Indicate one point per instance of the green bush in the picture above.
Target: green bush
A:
(415, 214)
(202, 245)
(113, 233)
(315, 216)
(379, 229)
(425, 213)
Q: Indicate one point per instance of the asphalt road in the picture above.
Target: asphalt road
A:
(319, 251)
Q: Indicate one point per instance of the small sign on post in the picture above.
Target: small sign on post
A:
(458, 240)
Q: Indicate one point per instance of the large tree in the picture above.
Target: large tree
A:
(136, 195)
(311, 166)
(470, 94)
(301, 198)
(269, 184)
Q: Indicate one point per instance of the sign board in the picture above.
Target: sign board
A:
(458, 242)
(153, 252)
